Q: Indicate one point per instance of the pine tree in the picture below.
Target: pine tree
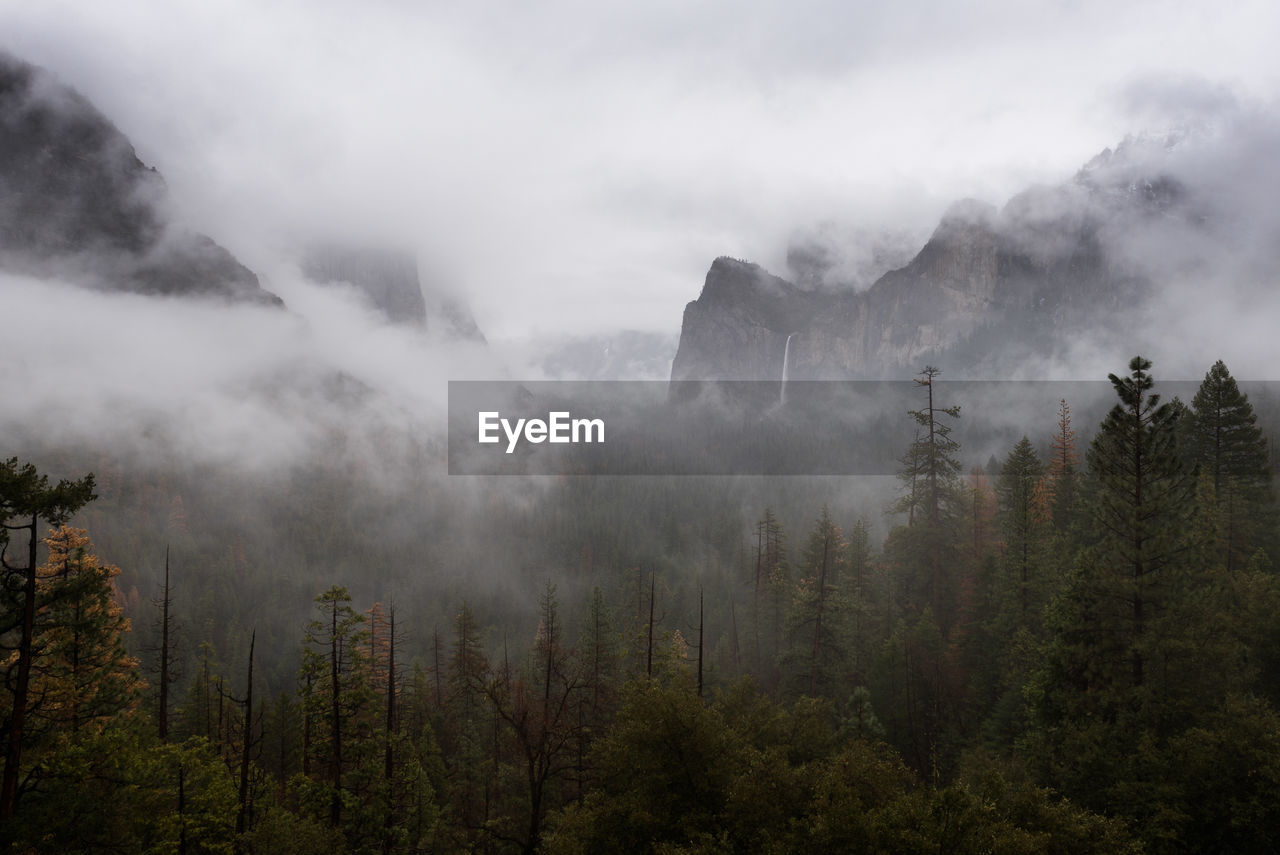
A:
(816, 656)
(420, 771)
(769, 595)
(248, 744)
(980, 515)
(282, 739)
(338, 699)
(83, 673)
(467, 678)
(926, 552)
(396, 780)
(196, 717)
(166, 655)
(860, 722)
(1063, 475)
(1140, 504)
(937, 465)
(859, 600)
(599, 656)
(908, 683)
(390, 729)
(1138, 500)
(1021, 526)
(25, 494)
(82, 678)
(1227, 445)
(599, 651)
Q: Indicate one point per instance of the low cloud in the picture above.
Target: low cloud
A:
(578, 166)
(250, 386)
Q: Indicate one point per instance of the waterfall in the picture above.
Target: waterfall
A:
(786, 369)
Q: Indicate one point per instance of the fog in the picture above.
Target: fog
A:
(577, 166)
(224, 383)
(259, 386)
(572, 171)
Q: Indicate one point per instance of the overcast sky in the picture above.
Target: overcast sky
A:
(576, 166)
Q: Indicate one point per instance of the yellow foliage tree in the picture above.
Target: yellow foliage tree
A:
(81, 674)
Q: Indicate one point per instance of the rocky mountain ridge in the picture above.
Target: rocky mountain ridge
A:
(990, 286)
(78, 205)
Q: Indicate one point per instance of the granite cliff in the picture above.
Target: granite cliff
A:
(389, 280)
(989, 287)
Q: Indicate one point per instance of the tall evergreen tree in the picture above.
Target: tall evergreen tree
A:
(1140, 503)
(81, 676)
(980, 515)
(466, 718)
(815, 659)
(247, 744)
(933, 464)
(1121, 651)
(165, 655)
(26, 498)
(1064, 461)
(769, 596)
(338, 698)
(1020, 523)
(926, 554)
(1227, 441)
(599, 651)
(599, 655)
(1227, 445)
(860, 596)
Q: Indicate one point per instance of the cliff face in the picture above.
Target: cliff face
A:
(389, 280)
(76, 202)
(987, 288)
(737, 329)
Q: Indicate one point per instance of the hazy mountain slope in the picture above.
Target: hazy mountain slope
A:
(76, 201)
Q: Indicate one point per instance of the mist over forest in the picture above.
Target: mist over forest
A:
(1008, 585)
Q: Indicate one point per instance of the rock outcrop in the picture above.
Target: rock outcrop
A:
(988, 288)
(390, 281)
(737, 329)
(78, 204)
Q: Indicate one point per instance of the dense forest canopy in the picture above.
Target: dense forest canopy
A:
(1070, 649)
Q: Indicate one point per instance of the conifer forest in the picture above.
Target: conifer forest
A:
(1074, 648)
